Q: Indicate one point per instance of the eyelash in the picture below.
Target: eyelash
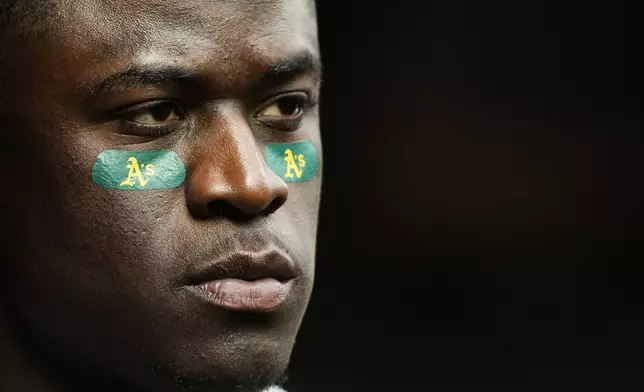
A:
(302, 99)
(140, 129)
(150, 130)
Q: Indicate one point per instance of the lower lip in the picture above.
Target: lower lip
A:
(263, 295)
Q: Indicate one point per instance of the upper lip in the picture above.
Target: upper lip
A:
(246, 265)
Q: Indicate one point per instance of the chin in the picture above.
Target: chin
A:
(265, 377)
(240, 363)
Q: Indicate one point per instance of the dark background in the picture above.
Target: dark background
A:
(482, 198)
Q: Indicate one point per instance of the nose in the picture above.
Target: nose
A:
(229, 178)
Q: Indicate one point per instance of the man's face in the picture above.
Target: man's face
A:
(113, 279)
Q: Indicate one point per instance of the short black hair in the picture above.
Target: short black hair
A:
(9, 11)
(22, 21)
(24, 17)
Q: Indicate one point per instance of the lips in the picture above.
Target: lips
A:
(246, 281)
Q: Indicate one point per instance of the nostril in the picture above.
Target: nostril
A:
(275, 205)
(216, 208)
(224, 209)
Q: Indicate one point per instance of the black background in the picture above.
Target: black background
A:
(482, 198)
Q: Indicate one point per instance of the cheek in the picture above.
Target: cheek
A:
(91, 255)
(297, 220)
(67, 226)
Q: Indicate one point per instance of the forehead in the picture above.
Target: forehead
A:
(229, 20)
(100, 34)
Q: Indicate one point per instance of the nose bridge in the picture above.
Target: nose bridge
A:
(242, 162)
(229, 171)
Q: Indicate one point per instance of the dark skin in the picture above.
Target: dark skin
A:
(92, 279)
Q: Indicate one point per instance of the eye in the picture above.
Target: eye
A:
(285, 112)
(288, 107)
(153, 118)
(156, 114)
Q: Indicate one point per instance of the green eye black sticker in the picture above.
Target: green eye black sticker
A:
(138, 170)
(293, 162)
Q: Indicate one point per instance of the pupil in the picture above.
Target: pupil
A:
(161, 112)
(288, 106)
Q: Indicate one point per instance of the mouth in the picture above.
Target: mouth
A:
(246, 281)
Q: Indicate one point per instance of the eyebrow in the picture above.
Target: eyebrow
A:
(284, 70)
(142, 75)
